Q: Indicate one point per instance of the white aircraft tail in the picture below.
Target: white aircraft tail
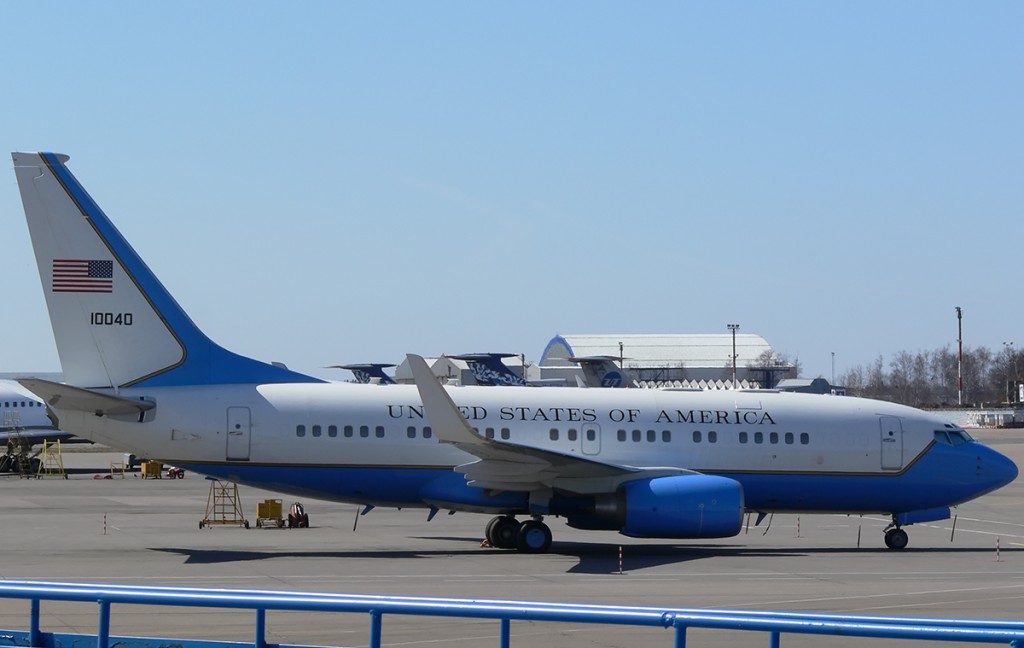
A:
(114, 323)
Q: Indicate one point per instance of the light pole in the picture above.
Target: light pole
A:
(733, 327)
(1008, 347)
(960, 356)
(833, 368)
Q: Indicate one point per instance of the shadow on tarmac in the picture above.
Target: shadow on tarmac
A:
(594, 558)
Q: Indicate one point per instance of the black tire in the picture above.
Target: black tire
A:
(505, 531)
(489, 530)
(533, 537)
(896, 539)
(305, 520)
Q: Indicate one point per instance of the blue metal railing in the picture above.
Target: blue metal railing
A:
(678, 619)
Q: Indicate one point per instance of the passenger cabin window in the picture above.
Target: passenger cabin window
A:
(712, 437)
(572, 435)
(554, 434)
(743, 437)
(316, 430)
(666, 436)
(300, 430)
(805, 438)
(364, 431)
(427, 432)
(621, 435)
(696, 436)
(332, 431)
(380, 431)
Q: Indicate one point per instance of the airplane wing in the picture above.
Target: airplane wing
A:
(74, 398)
(507, 466)
(36, 436)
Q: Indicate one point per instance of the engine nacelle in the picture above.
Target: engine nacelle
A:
(682, 506)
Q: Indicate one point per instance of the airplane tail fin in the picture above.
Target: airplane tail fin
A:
(114, 322)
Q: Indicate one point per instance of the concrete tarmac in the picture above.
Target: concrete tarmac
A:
(146, 531)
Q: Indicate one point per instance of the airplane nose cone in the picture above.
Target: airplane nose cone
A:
(996, 469)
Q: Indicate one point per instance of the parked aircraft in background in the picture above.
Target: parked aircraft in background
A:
(141, 376)
(601, 371)
(24, 424)
(372, 372)
(489, 370)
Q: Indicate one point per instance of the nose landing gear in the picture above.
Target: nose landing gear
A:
(895, 537)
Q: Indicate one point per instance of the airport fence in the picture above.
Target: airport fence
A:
(678, 620)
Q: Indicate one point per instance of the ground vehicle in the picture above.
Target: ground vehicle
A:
(297, 516)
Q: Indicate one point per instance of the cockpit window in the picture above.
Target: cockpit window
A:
(959, 436)
(952, 437)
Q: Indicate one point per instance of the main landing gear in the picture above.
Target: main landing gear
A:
(895, 536)
(506, 532)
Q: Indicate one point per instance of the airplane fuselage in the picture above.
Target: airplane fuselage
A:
(373, 444)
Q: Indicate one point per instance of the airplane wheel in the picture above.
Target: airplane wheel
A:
(489, 530)
(896, 539)
(534, 537)
(504, 532)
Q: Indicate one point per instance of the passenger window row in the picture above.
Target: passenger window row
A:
(773, 438)
(639, 435)
(362, 431)
(22, 404)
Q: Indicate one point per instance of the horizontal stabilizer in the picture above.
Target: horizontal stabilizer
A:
(66, 397)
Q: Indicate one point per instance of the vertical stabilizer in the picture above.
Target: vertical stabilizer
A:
(114, 323)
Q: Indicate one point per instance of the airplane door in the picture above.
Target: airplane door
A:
(239, 429)
(590, 440)
(892, 443)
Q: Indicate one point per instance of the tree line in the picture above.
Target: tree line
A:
(929, 378)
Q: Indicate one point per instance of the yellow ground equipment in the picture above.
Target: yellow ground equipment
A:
(51, 462)
(152, 470)
(269, 513)
(223, 506)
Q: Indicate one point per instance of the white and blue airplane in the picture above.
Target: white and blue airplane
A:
(142, 377)
(24, 424)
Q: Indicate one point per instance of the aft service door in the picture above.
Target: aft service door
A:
(591, 439)
(892, 443)
(239, 429)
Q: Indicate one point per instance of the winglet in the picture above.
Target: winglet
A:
(445, 418)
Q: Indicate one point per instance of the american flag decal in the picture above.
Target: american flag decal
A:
(82, 276)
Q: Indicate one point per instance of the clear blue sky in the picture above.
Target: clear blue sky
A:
(329, 182)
